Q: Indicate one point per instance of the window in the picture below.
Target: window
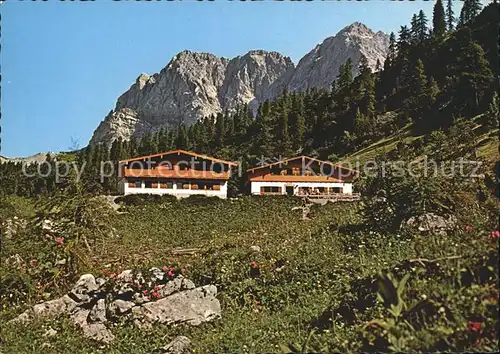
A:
(148, 184)
(138, 184)
(335, 190)
(154, 185)
(178, 185)
(270, 190)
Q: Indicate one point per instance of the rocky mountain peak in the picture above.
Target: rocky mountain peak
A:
(194, 85)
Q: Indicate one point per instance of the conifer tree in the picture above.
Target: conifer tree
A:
(181, 140)
(450, 16)
(220, 131)
(163, 143)
(391, 55)
(285, 143)
(133, 146)
(229, 125)
(419, 78)
(345, 75)
(404, 40)
(414, 29)
(432, 91)
(438, 19)
(470, 10)
(493, 113)
(422, 26)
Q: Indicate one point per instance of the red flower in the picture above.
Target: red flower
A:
(495, 234)
(165, 268)
(106, 271)
(60, 241)
(254, 265)
(139, 286)
(145, 292)
(157, 288)
(155, 294)
(474, 326)
(112, 275)
(33, 262)
(172, 269)
(468, 228)
(171, 274)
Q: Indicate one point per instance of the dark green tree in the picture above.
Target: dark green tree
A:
(422, 26)
(493, 113)
(450, 15)
(438, 19)
(470, 10)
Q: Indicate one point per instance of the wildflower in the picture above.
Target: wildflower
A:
(139, 286)
(157, 288)
(165, 268)
(474, 326)
(60, 241)
(106, 271)
(33, 262)
(155, 294)
(468, 228)
(495, 234)
(145, 292)
(171, 274)
(112, 275)
(254, 265)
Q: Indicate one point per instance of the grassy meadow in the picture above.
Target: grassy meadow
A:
(314, 288)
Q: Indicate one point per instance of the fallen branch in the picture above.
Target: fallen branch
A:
(422, 261)
(180, 251)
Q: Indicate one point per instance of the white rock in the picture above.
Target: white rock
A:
(190, 306)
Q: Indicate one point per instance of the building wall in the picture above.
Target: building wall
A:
(255, 186)
(179, 193)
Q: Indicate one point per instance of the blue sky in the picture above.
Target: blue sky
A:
(64, 64)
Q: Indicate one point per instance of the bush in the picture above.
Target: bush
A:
(145, 199)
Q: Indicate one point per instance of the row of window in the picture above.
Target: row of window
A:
(179, 185)
(270, 190)
(302, 190)
(319, 190)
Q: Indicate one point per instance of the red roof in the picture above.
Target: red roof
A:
(178, 174)
(178, 152)
(285, 162)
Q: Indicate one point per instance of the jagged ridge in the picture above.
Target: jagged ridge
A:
(196, 85)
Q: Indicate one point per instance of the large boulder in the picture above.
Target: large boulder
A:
(83, 288)
(92, 305)
(191, 306)
(431, 223)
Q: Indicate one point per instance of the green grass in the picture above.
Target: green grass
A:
(325, 267)
(385, 145)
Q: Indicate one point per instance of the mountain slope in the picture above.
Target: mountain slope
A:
(196, 85)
